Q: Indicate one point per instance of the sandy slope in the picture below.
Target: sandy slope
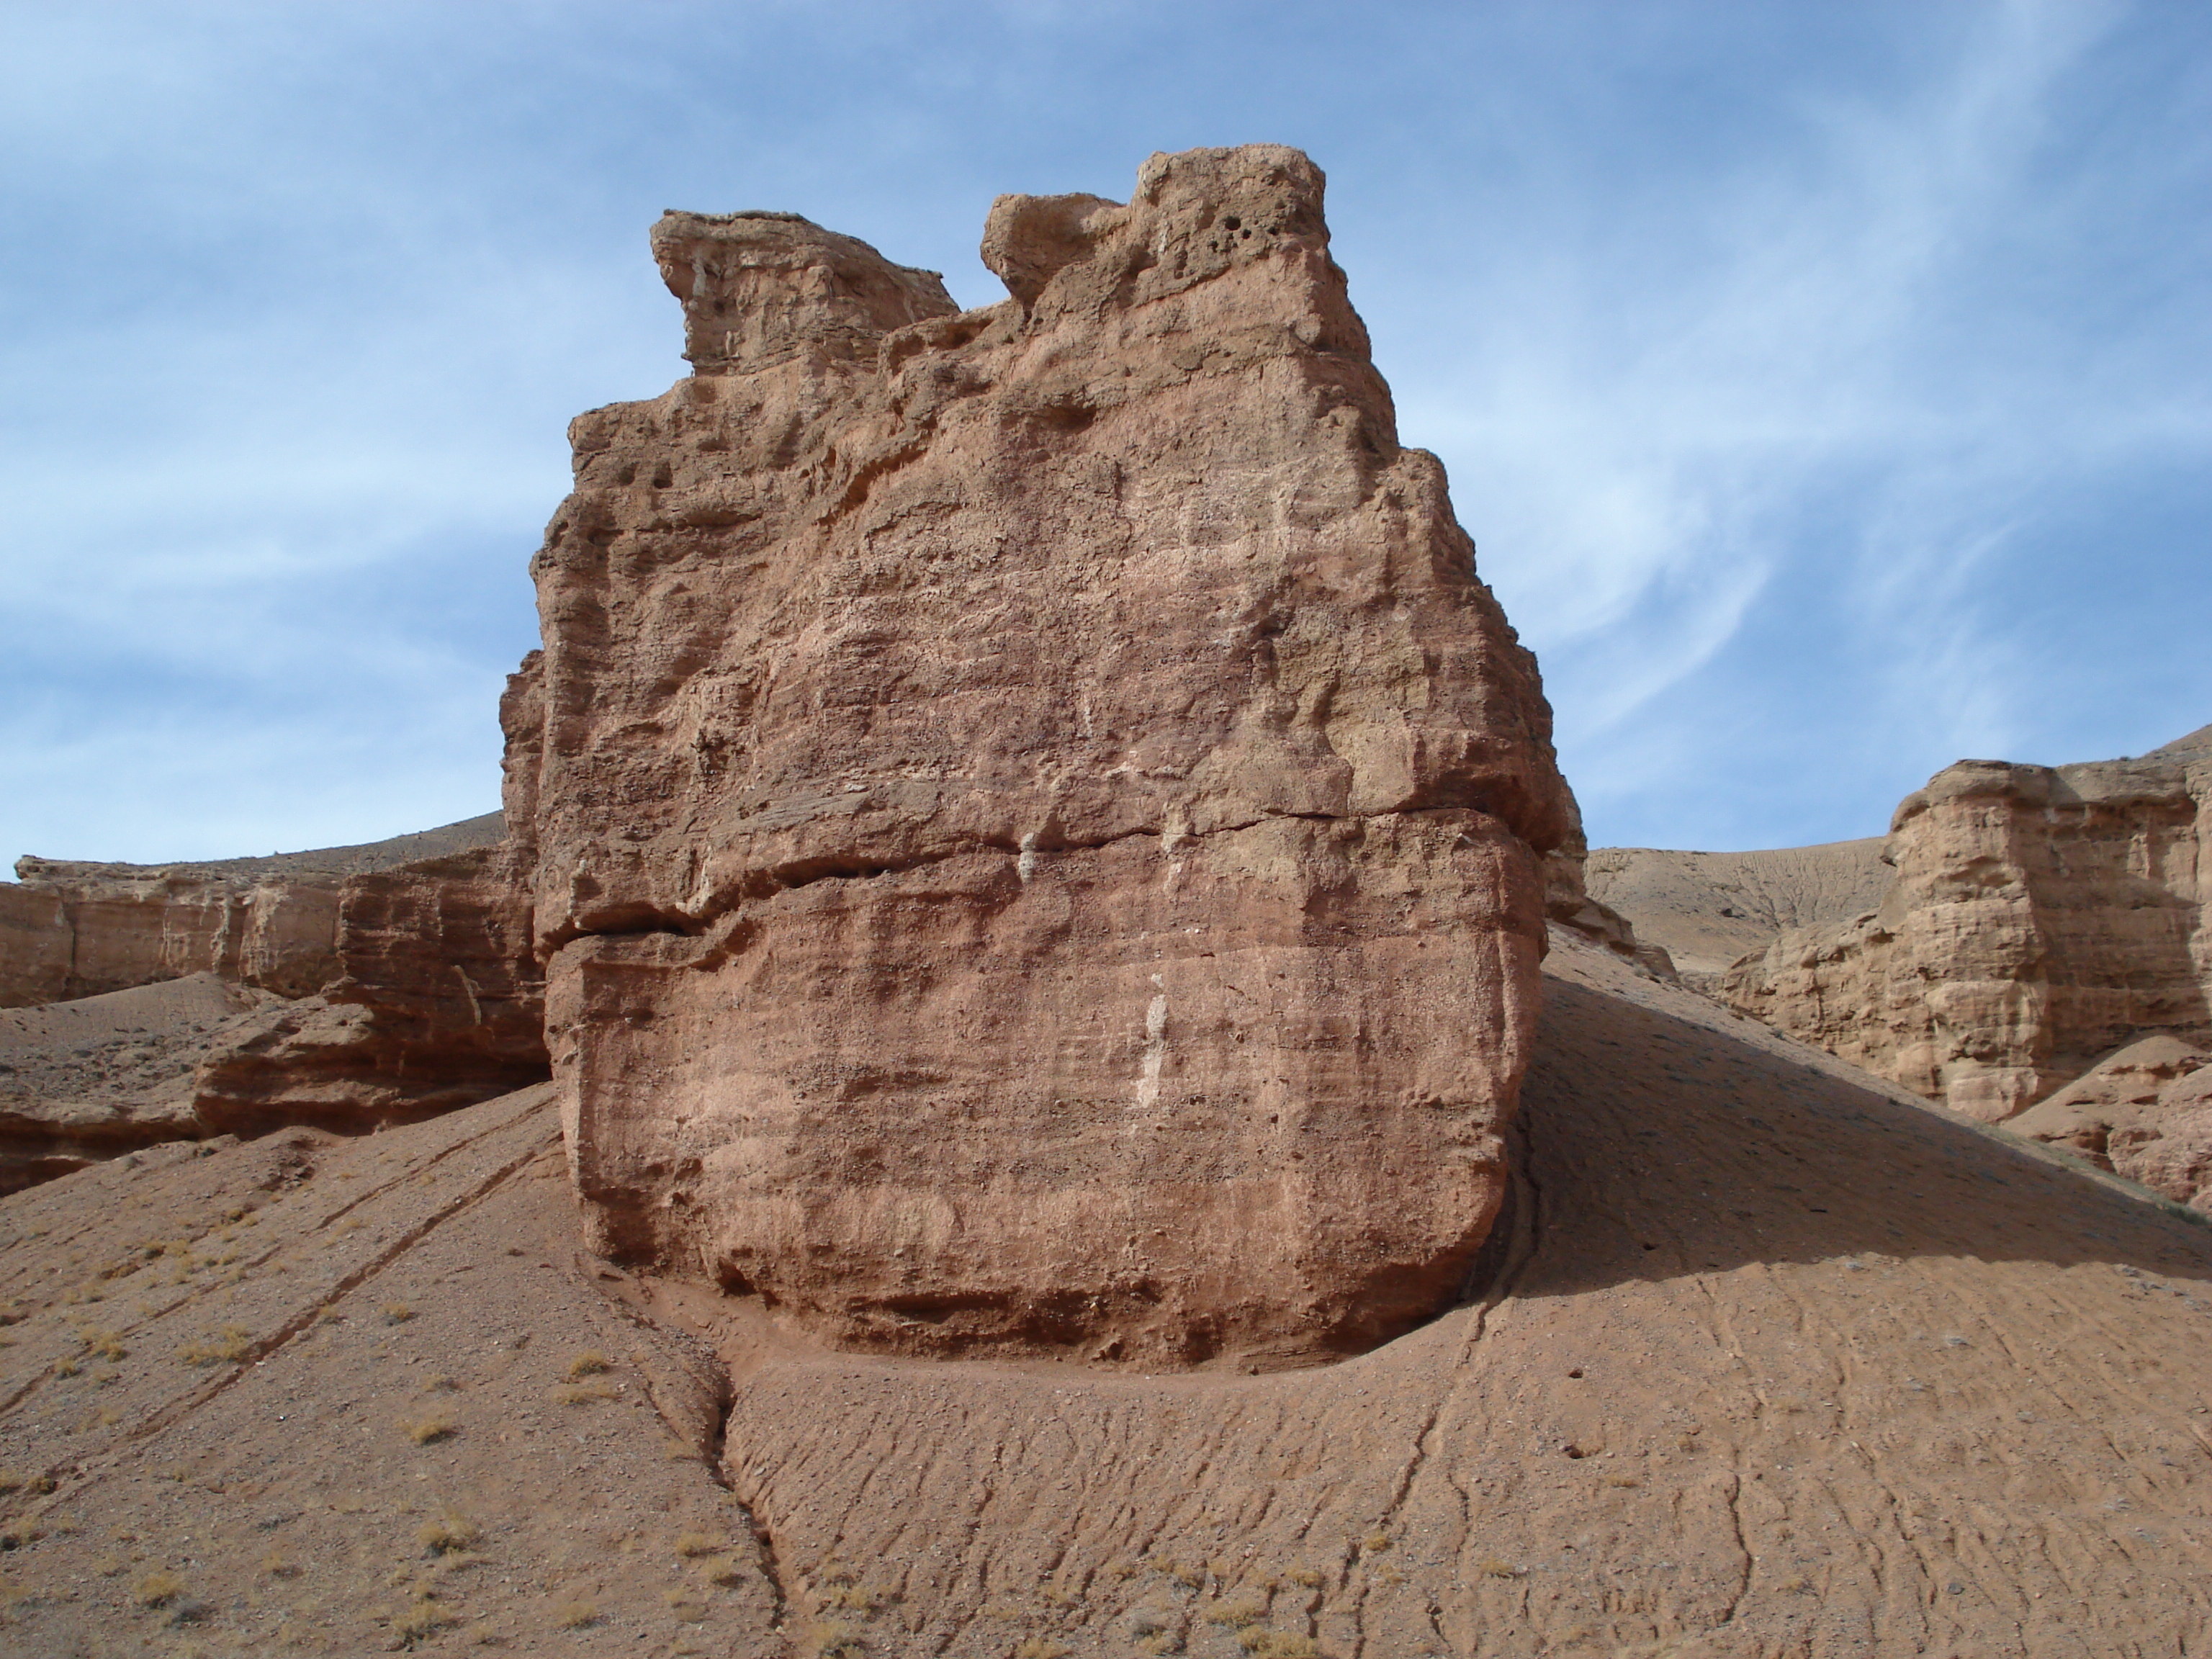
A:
(1773, 1362)
(1709, 909)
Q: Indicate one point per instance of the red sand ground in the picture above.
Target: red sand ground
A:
(1771, 1361)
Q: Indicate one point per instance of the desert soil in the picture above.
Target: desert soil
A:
(1770, 1360)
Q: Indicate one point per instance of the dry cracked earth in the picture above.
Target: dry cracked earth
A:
(1769, 1359)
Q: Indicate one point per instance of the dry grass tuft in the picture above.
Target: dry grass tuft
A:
(1306, 1577)
(450, 1534)
(692, 1545)
(1624, 1481)
(424, 1618)
(685, 1605)
(1277, 1645)
(157, 1589)
(589, 1363)
(586, 1394)
(396, 1313)
(575, 1614)
(1043, 1647)
(278, 1565)
(1492, 1567)
(1376, 1542)
(234, 1345)
(1235, 1615)
(833, 1639)
(12, 1480)
(428, 1430)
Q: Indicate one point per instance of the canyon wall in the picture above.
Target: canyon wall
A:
(1037, 821)
(2040, 918)
(351, 989)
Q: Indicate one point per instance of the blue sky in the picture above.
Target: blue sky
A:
(1825, 386)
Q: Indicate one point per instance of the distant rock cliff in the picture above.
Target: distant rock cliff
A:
(2040, 918)
(1037, 822)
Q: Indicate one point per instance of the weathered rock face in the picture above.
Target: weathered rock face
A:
(360, 987)
(2040, 918)
(438, 1004)
(2144, 1113)
(79, 930)
(1036, 818)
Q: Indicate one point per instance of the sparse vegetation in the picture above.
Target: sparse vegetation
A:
(424, 1618)
(589, 1363)
(1235, 1615)
(428, 1430)
(586, 1394)
(1492, 1567)
(1624, 1481)
(831, 1638)
(1376, 1542)
(1306, 1577)
(1043, 1647)
(449, 1534)
(157, 1590)
(13, 1480)
(723, 1571)
(234, 1345)
(574, 1612)
(396, 1313)
(684, 1604)
(691, 1545)
(278, 1564)
(1277, 1645)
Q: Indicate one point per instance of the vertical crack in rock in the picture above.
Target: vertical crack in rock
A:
(1037, 824)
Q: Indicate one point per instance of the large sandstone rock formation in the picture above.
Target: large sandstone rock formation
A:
(2040, 918)
(1036, 819)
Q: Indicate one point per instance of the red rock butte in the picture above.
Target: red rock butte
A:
(1038, 823)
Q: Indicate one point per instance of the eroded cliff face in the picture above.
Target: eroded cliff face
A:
(1036, 819)
(352, 988)
(2041, 917)
(71, 930)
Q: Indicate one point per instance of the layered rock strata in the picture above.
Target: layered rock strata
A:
(358, 988)
(2040, 918)
(1036, 819)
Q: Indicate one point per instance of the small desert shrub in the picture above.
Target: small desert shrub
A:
(1305, 1577)
(396, 1313)
(574, 1614)
(1624, 1481)
(685, 1606)
(589, 1363)
(13, 1481)
(278, 1565)
(1376, 1542)
(1277, 1645)
(67, 1368)
(235, 1343)
(427, 1431)
(1235, 1614)
(450, 1534)
(1492, 1567)
(692, 1545)
(157, 1590)
(104, 1345)
(1043, 1647)
(723, 1571)
(586, 1394)
(832, 1639)
(424, 1618)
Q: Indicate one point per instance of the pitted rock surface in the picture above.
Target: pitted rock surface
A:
(1037, 820)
